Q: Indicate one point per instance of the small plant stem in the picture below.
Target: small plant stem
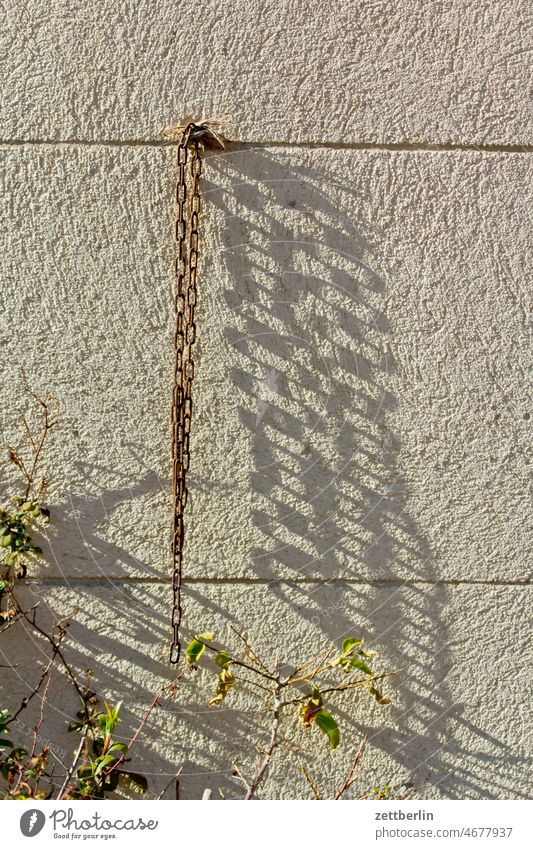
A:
(314, 790)
(309, 675)
(72, 767)
(349, 685)
(173, 780)
(276, 713)
(298, 674)
(250, 651)
(238, 772)
(20, 615)
(38, 724)
(244, 665)
(153, 704)
(104, 775)
(55, 643)
(23, 767)
(29, 433)
(37, 445)
(27, 699)
(353, 773)
(36, 454)
(253, 683)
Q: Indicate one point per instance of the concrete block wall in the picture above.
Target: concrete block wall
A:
(362, 412)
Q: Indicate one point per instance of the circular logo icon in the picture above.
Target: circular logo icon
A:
(32, 822)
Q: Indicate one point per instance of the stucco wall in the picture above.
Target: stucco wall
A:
(362, 412)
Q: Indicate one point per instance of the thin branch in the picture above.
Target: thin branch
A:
(339, 688)
(360, 683)
(173, 780)
(50, 408)
(244, 665)
(17, 460)
(56, 758)
(48, 424)
(320, 656)
(240, 775)
(314, 790)
(23, 766)
(28, 432)
(172, 686)
(27, 699)
(354, 772)
(272, 743)
(16, 618)
(322, 667)
(52, 640)
(250, 651)
(253, 683)
(38, 724)
(72, 767)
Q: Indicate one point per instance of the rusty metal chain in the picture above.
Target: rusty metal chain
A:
(187, 222)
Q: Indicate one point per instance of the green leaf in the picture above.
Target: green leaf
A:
(350, 643)
(327, 724)
(6, 744)
(358, 664)
(226, 681)
(105, 762)
(120, 747)
(196, 648)
(382, 794)
(194, 651)
(113, 713)
(222, 658)
(347, 658)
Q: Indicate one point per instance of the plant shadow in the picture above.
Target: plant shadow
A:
(335, 550)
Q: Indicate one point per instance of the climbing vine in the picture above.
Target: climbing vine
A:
(25, 512)
(304, 690)
(101, 761)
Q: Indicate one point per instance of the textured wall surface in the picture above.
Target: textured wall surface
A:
(362, 412)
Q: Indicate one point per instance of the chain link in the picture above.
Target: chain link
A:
(187, 223)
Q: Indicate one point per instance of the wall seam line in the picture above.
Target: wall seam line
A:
(400, 147)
